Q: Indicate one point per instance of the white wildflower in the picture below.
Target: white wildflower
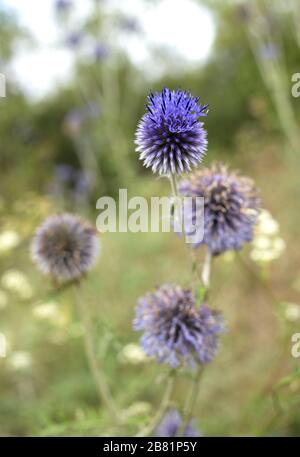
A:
(15, 281)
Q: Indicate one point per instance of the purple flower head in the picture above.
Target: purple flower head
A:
(82, 184)
(63, 5)
(268, 51)
(74, 40)
(130, 24)
(176, 332)
(73, 122)
(170, 137)
(69, 182)
(100, 52)
(64, 247)
(230, 207)
(170, 426)
(64, 173)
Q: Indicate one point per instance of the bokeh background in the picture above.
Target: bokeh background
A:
(77, 74)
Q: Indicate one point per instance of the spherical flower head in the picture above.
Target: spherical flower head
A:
(74, 40)
(171, 424)
(63, 5)
(64, 247)
(176, 332)
(170, 137)
(231, 207)
(100, 52)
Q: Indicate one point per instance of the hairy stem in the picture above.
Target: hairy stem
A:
(102, 387)
(165, 402)
(173, 185)
(191, 403)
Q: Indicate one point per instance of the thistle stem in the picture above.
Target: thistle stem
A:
(165, 402)
(173, 185)
(100, 381)
(191, 404)
(206, 270)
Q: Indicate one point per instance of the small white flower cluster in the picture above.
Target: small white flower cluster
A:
(292, 312)
(9, 239)
(132, 354)
(47, 311)
(15, 281)
(267, 244)
(20, 360)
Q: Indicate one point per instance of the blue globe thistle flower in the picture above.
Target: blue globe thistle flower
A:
(73, 122)
(231, 207)
(170, 138)
(176, 332)
(268, 51)
(63, 5)
(74, 40)
(70, 183)
(64, 247)
(170, 426)
(100, 52)
(130, 24)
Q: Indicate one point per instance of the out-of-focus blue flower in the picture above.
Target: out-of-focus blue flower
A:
(82, 184)
(70, 183)
(75, 118)
(130, 24)
(171, 424)
(231, 207)
(64, 172)
(62, 6)
(268, 51)
(100, 52)
(74, 40)
(170, 138)
(64, 247)
(176, 332)
(73, 122)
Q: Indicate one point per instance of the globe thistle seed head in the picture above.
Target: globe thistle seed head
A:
(176, 332)
(170, 426)
(170, 137)
(64, 247)
(231, 207)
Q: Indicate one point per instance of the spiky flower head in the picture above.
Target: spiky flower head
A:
(171, 424)
(176, 332)
(170, 137)
(64, 247)
(231, 207)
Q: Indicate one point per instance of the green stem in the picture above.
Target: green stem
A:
(165, 402)
(102, 387)
(191, 404)
(173, 185)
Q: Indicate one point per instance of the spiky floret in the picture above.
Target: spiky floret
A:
(64, 247)
(171, 424)
(176, 332)
(231, 206)
(170, 137)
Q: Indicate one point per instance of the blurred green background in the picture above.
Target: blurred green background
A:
(68, 146)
